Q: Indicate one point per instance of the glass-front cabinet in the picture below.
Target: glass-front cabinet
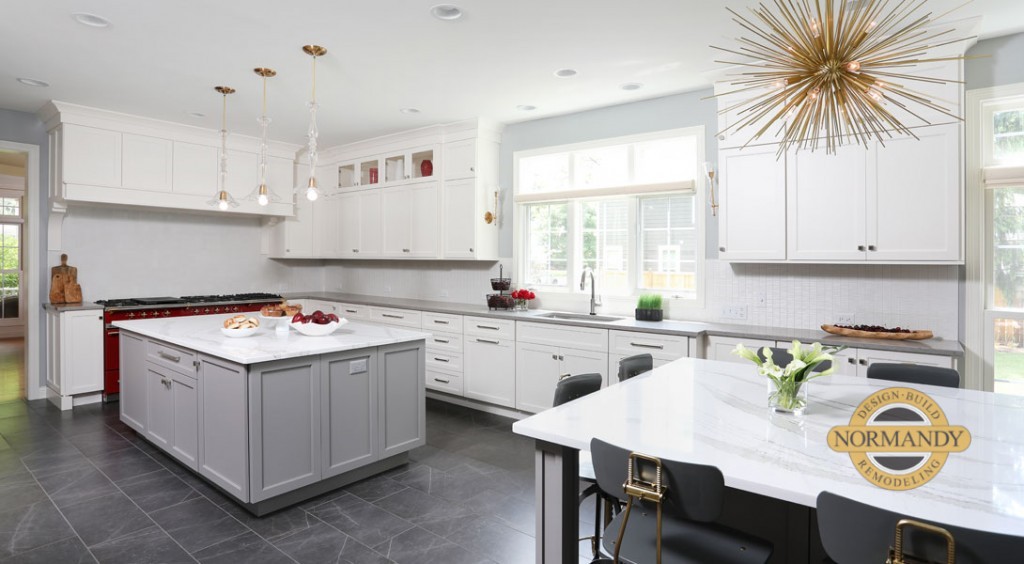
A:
(390, 169)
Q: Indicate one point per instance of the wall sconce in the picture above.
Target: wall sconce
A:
(709, 172)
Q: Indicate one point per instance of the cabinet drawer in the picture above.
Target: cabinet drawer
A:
(487, 327)
(628, 343)
(583, 338)
(442, 322)
(444, 381)
(399, 317)
(444, 360)
(170, 356)
(354, 312)
(444, 342)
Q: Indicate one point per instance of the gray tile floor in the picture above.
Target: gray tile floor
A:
(80, 486)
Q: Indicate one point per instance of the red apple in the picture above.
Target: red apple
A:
(333, 318)
(298, 318)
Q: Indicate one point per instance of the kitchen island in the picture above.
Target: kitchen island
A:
(275, 418)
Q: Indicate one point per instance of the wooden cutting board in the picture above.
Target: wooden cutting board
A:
(912, 336)
(64, 288)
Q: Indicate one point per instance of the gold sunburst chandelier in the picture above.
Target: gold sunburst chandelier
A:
(833, 72)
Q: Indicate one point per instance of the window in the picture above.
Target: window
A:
(627, 208)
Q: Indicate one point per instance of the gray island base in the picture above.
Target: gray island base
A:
(326, 412)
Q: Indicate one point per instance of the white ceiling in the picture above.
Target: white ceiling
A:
(162, 59)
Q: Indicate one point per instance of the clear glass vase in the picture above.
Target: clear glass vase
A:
(787, 397)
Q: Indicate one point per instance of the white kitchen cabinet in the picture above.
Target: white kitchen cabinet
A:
(662, 348)
(404, 318)
(194, 169)
(353, 312)
(915, 197)
(243, 174)
(75, 359)
(729, 116)
(720, 348)
(752, 216)
(91, 156)
(445, 361)
(292, 237)
(410, 222)
(361, 173)
(146, 162)
(328, 223)
(460, 159)
(826, 199)
(466, 234)
(539, 367)
(359, 225)
(867, 357)
(489, 360)
(132, 397)
(406, 165)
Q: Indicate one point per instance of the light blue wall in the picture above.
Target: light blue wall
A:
(20, 127)
(680, 110)
(995, 62)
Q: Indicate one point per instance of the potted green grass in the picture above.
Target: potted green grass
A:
(648, 307)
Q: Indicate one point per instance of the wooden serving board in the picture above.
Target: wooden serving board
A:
(912, 336)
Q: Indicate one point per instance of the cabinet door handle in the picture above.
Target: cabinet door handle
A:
(560, 357)
(472, 169)
(860, 247)
(165, 382)
(863, 362)
(405, 250)
(646, 346)
(444, 341)
(351, 311)
(851, 361)
(554, 357)
(441, 321)
(487, 327)
(488, 341)
(169, 357)
(392, 316)
(442, 380)
(355, 250)
(471, 249)
(872, 248)
(721, 249)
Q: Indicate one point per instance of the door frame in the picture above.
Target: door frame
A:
(34, 387)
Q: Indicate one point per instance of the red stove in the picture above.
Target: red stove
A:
(149, 308)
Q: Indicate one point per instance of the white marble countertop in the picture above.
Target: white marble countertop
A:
(716, 413)
(203, 333)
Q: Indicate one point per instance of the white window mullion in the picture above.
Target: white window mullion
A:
(633, 257)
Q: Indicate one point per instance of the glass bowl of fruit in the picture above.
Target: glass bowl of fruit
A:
(317, 324)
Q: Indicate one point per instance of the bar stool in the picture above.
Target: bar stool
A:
(635, 365)
(915, 374)
(853, 532)
(670, 509)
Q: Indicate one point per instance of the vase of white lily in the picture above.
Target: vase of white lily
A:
(787, 385)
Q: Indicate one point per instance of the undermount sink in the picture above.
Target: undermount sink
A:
(579, 317)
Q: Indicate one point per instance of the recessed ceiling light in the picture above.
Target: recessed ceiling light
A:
(33, 82)
(91, 20)
(409, 111)
(446, 12)
(565, 73)
(631, 86)
(196, 114)
(526, 107)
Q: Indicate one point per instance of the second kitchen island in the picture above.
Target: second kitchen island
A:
(274, 419)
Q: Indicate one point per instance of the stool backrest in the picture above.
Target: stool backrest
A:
(694, 491)
(855, 533)
(572, 387)
(915, 374)
(634, 365)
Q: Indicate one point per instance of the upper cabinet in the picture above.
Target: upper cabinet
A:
(753, 190)
(399, 166)
(110, 158)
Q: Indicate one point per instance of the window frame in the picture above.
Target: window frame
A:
(570, 295)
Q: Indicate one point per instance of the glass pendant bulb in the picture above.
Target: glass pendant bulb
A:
(262, 193)
(313, 133)
(312, 192)
(223, 199)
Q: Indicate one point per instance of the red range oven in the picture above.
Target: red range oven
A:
(148, 308)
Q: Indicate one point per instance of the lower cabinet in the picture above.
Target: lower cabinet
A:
(720, 348)
(539, 367)
(490, 370)
(223, 426)
(133, 382)
(348, 406)
(401, 413)
(75, 355)
(172, 409)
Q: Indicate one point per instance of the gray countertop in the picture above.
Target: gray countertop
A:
(71, 307)
(939, 347)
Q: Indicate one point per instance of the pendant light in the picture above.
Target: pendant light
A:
(262, 194)
(223, 199)
(312, 191)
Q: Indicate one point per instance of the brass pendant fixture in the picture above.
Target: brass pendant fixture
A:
(262, 194)
(830, 72)
(223, 199)
(311, 189)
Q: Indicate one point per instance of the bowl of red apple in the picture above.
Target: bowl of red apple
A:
(316, 324)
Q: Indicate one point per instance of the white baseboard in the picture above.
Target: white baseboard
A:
(65, 403)
(479, 406)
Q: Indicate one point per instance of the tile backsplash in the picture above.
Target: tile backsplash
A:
(777, 295)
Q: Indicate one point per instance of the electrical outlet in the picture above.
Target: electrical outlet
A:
(734, 312)
(846, 319)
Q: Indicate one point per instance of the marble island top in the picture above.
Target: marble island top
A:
(716, 413)
(203, 334)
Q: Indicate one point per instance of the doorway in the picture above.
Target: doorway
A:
(14, 175)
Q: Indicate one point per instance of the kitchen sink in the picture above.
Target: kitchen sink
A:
(565, 316)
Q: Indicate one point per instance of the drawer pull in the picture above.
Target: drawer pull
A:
(487, 327)
(863, 362)
(441, 321)
(392, 316)
(444, 341)
(169, 357)
(166, 382)
(851, 361)
(488, 341)
(439, 359)
(442, 380)
(351, 311)
(646, 346)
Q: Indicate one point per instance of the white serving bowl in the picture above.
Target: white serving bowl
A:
(247, 332)
(313, 330)
(270, 322)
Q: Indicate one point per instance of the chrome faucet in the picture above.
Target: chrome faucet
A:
(583, 285)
